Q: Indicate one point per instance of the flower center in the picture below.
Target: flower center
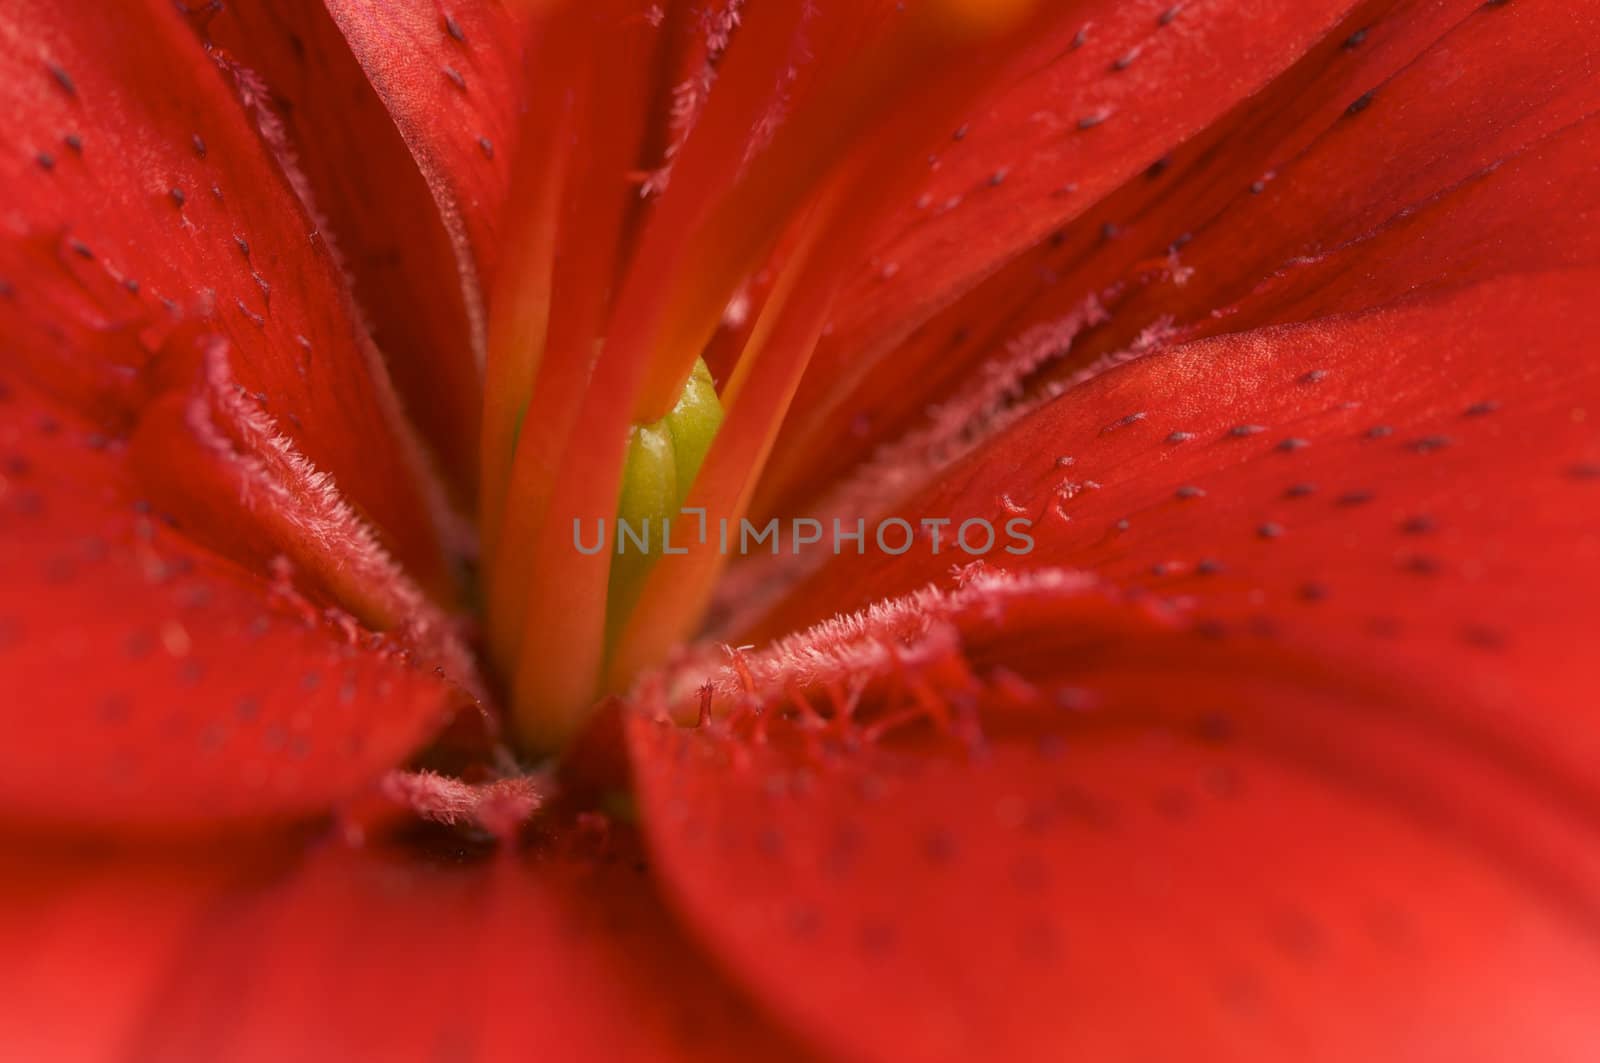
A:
(607, 449)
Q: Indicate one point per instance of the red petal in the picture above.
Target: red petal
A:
(1286, 175)
(1147, 843)
(1072, 117)
(340, 953)
(456, 136)
(426, 139)
(152, 683)
(138, 190)
(1403, 489)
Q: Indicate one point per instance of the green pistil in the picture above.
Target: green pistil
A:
(663, 459)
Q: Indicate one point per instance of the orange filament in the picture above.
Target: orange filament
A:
(605, 305)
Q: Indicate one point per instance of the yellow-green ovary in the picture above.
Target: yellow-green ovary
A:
(663, 459)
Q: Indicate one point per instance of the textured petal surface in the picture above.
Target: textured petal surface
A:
(151, 683)
(390, 951)
(1090, 103)
(1122, 873)
(209, 492)
(1333, 801)
(1404, 488)
(137, 190)
(457, 135)
(417, 247)
(1392, 109)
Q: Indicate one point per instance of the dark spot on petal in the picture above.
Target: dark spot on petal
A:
(1429, 444)
(1312, 592)
(452, 27)
(1313, 376)
(939, 848)
(1123, 524)
(1208, 566)
(1483, 638)
(1379, 431)
(455, 78)
(1166, 17)
(1270, 530)
(804, 922)
(62, 79)
(140, 644)
(1214, 727)
(1293, 443)
(80, 249)
(1300, 490)
(45, 160)
(1190, 491)
(1418, 525)
(876, 938)
(1421, 565)
(243, 244)
(199, 145)
(1361, 104)
(1355, 40)
(486, 146)
(1180, 437)
(1089, 121)
(1354, 498)
(960, 133)
(116, 708)
(1242, 430)
(1585, 471)
(178, 198)
(1479, 409)
(74, 143)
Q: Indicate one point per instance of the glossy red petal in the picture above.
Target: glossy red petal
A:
(390, 952)
(151, 683)
(139, 192)
(1073, 115)
(405, 148)
(1122, 877)
(1305, 772)
(457, 136)
(1403, 488)
(1393, 108)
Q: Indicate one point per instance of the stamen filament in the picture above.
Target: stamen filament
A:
(521, 302)
(589, 446)
(609, 106)
(678, 589)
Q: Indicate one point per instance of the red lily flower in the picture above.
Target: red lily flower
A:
(1269, 321)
